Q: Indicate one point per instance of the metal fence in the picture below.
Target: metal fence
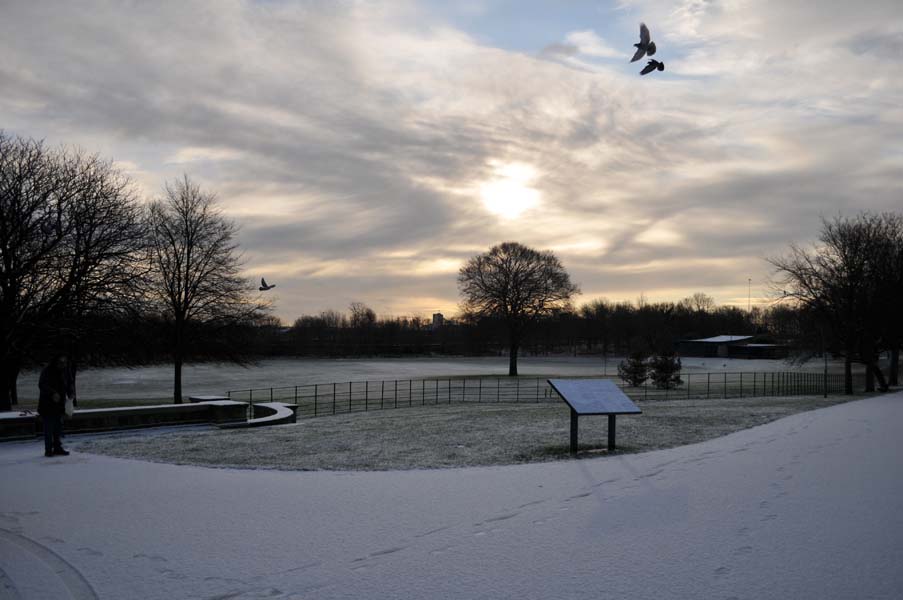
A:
(314, 400)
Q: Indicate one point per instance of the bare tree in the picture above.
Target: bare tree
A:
(70, 243)
(195, 267)
(698, 302)
(849, 283)
(516, 284)
(362, 316)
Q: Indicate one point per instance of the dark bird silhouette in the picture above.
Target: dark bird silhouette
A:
(652, 66)
(646, 45)
(263, 285)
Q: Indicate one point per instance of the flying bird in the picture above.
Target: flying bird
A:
(263, 285)
(652, 65)
(646, 45)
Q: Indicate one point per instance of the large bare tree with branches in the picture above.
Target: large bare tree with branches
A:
(850, 282)
(195, 266)
(70, 243)
(517, 285)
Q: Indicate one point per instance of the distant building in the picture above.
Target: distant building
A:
(438, 321)
(730, 346)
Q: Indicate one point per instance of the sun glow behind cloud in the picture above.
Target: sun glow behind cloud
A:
(509, 193)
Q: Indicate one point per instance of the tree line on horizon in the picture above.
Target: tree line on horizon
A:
(598, 326)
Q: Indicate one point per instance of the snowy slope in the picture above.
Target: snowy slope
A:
(805, 507)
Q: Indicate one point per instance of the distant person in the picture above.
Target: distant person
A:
(56, 384)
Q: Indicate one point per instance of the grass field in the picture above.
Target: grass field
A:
(452, 435)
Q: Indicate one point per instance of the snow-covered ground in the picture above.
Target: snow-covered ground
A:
(215, 378)
(804, 507)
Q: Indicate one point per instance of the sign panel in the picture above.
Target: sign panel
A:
(594, 397)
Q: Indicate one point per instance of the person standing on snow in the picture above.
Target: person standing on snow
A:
(55, 385)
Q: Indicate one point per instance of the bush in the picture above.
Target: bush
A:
(664, 370)
(634, 369)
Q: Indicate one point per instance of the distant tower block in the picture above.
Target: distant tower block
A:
(438, 320)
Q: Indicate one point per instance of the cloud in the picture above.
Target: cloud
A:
(589, 43)
(352, 141)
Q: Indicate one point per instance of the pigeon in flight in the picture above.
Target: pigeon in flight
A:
(651, 66)
(646, 45)
(263, 285)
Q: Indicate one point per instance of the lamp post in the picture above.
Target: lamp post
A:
(749, 294)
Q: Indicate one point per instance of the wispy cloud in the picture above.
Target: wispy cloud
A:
(366, 149)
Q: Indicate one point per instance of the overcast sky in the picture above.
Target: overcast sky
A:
(366, 150)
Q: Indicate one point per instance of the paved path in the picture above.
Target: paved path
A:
(810, 506)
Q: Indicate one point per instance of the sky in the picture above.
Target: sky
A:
(366, 150)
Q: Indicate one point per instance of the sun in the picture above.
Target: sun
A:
(509, 193)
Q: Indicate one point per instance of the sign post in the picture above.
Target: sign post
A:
(594, 397)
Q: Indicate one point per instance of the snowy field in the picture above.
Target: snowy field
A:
(806, 507)
(145, 383)
(450, 435)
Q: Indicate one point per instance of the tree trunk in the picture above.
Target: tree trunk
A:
(177, 379)
(512, 359)
(893, 375)
(178, 358)
(847, 375)
(9, 395)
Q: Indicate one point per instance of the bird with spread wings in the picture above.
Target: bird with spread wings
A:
(646, 45)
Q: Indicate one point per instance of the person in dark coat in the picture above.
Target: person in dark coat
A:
(55, 385)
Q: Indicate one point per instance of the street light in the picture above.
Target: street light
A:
(749, 294)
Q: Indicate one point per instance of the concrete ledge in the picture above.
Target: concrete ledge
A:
(15, 426)
(267, 413)
(207, 398)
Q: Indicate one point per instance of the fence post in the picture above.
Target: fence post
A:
(316, 394)
(349, 396)
(708, 384)
(296, 394)
(396, 393)
(449, 391)
(410, 385)
(422, 392)
(498, 383)
(271, 394)
(537, 390)
(725, 384)
(480, 391)
(689, 378)
(437, 392)
(366, 395)
(464, 391)
(517, 390)
(382, 390)
(250, 404)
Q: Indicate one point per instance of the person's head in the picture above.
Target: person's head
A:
(60, 361)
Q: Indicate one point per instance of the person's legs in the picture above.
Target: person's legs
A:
(57, 434)
(48, 434)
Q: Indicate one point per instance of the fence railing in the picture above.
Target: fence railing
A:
(314, 400)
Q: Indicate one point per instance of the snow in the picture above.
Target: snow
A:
(804, 507)
(121, 383)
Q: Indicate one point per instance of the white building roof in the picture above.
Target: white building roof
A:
(720, 339)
